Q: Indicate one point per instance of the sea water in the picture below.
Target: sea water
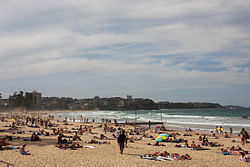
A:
(197, 119)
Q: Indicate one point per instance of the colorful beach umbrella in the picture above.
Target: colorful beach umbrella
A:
(162, 137)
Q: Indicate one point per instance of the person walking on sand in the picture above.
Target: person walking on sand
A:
(216, 130)
(121, 141)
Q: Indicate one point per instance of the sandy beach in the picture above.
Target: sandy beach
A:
(45, 152)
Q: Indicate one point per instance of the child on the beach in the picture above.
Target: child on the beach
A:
(244, 158)
(22, 150)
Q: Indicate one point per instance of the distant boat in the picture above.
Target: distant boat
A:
(244, 117)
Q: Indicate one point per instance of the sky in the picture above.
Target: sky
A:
(165, 50)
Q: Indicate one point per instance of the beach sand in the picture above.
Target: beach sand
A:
(44, 152)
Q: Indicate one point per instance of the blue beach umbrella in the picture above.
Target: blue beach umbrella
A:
(162, 137)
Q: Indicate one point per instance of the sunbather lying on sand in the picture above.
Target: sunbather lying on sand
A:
(167, 155)
(97, 142)
(8, 148)
(164, 154)
(103, 137)
(133, 139)
(178, 157)
(237, 148)
(174, 134)
(174, 140)
(68, 146)
(192, 148)
(214, 144)
(156, 144)
(147, 136)
(232, 151)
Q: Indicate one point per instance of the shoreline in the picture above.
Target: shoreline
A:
(171, 126)
(198, 127)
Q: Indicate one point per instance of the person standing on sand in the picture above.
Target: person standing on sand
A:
(244, 136)
(121, 141)
(231, 131)
(46, 124)
(81, 120)
(127, 137)
(221, 130)
(105, 128)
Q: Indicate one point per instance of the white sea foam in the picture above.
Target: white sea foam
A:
(180, 116)
(209, 123)
(208, 117)
(146, 119)
(131, 117)
(174, 119)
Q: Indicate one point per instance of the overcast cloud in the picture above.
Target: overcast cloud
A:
(175, 50)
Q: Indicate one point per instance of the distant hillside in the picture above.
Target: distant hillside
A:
(190, 105)
(235, 107)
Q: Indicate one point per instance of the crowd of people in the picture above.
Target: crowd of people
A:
(46, 126)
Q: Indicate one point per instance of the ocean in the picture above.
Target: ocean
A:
(196, 119)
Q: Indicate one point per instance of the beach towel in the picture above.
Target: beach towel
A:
(182, 146)
(226, 153)
(69, 148)
(85, 146)
(165, 158)
(201, 149)
(156, 158)
(27, 139)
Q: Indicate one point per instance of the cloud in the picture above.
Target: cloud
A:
(170, 44)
